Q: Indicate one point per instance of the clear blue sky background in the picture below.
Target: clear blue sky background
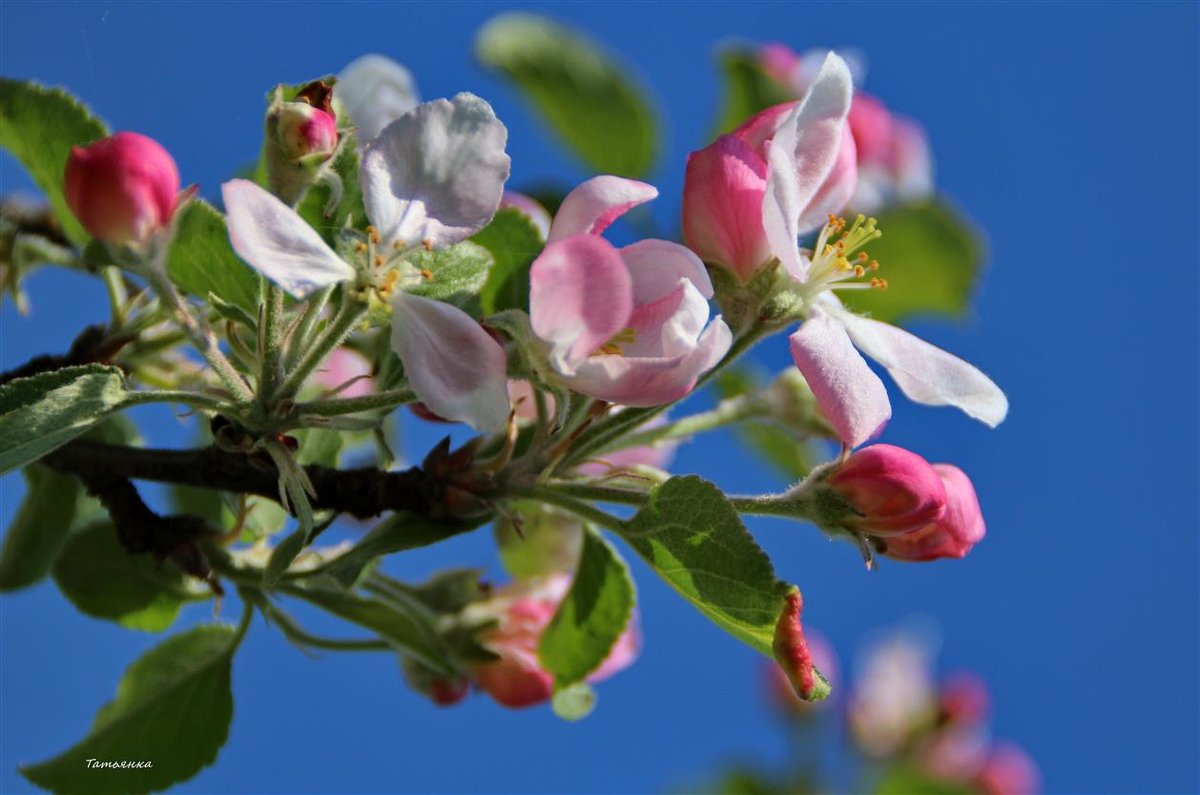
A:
(1069, 132)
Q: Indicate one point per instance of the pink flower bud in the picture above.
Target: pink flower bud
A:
(895, 490)
(1008, 771)
(123, 188)
(792, 652)
(959, 528)
(722, 206)
(964, 699)
(522, 611)
(305, 130)
(447, 692)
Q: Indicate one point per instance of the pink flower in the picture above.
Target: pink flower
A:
(1009, 770)
(895, 491)
(346, 366)
(305, 130)
(630, 325)
(964, 698)
(123, 188)
(523, 610)
(893, 694)
(726, 183)
(954, 533)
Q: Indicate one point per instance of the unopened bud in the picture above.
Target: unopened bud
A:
(304, 130)
(954, 533)
(123, 188)
(894, 491)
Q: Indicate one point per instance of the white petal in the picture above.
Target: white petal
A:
(277, 242)
(926, 373)
(656, 266)
(452, 364)
(435, 175)
(594, 205)
(374, 91)
(782, 207)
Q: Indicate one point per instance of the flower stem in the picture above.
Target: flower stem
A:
(334, 334)
(727, 412)
(270, 342)
(563, 496)
(332, 407)
(312, 315)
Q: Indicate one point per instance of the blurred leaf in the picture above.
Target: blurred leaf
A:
(514, 242)
(692, 536)
(904, 780)
(931, 257)
(40, 528)
(748, 89)
(319, 446)
(458, 274)
(314, 206)
(173, 709)
(282, 556)
(580, 91)
(574, 702)
(399, 532)
(39, 125)
(591, 617)
(793, 456)
(45, 411)
(202, 261)
(105, 581)
(549, 541)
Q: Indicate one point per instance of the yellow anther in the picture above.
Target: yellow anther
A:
(427, 274)
(378, 261)
(373, 235)
(874, 265)
(361, 247)
(859, 271)
(428, 244)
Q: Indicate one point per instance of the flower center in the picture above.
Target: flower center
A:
(839, 261)
(386, 271)
(625, 336)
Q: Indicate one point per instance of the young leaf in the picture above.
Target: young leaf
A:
(39, 125)
(748, 89)
(690, 534)
(410, 631)
(584, 96)
(591, 617)
(202, 261)
(282, 556)
(40, 528)
(931, 257)
(103, 580)
(514, 242)
(172, 710)
(45, 411)
(456, 274)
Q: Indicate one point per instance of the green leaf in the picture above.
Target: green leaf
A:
(202, 261)
(932, 258)
(399, 532)
(103, 580)
(411, 631)
(692, 536)
(591, 617)
(39, 125)
(45, 411)
(458, 274)
(339, 179)
(549, 540)
(905, 780)
(282, 556)
(319, 446)
(748, 89)
(40, 528)
(173, 708)
(581, 92)
(514, 242)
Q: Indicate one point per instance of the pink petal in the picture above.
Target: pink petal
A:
(839, 186)
(761, 127)
(851, 396)
(925, 373)
(722, 206)
(594, 205)
(278, 243)
(656, 266)
(452, 364)
(814, 129)
(669, 326)
(580, 296)
(634, 381)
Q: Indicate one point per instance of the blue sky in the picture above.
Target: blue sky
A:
(1067, 131)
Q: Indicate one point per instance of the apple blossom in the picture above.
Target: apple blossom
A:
(123, 188)
(374, 91)
(346, 372)
(522, 610)
(431, 179)
(630, 325)
(1008, 770)
(954, 533)
(893, 491)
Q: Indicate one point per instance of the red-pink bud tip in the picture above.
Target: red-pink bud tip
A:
(895, 491)
(305, 130)
(792, 653)
(953, 535)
